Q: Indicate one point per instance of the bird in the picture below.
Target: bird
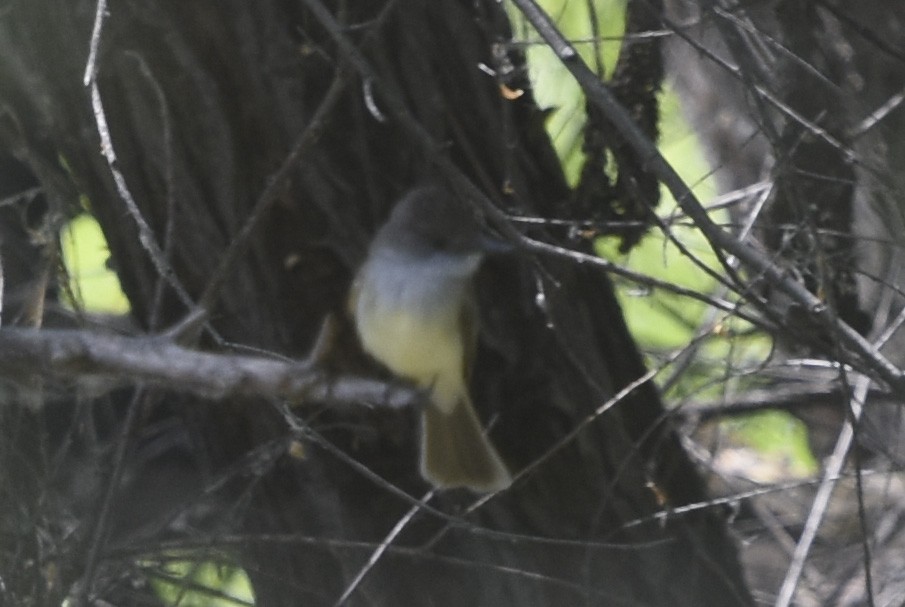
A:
(413, 305)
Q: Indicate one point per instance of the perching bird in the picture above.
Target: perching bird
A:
(415, 312)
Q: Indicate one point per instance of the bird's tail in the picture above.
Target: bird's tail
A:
(456, 453)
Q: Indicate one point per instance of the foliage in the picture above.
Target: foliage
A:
(86, 257)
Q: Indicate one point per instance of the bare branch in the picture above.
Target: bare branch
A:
(789, 398)
(825, 490)
(156, 360)
(145, 232)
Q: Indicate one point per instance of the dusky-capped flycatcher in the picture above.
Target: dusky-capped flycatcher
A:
(415, 312)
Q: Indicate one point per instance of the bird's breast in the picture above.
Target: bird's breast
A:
(413, 325)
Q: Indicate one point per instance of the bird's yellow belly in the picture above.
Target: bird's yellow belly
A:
(429, 353)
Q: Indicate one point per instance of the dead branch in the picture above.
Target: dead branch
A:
(83, 354)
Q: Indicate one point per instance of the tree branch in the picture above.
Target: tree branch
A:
(787, 398)
(77, 354)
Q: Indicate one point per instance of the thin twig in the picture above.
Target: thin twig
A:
(22, 196)
(156, 302)
(566, 439)
(822, 498)
(98, 534)
(304, 432)
(709, 323)
(589, 419)
(91, 65)
(642, 279)
(145, 233)
(733, 499)
(772, 42)
(382, 548)
(275, 186)
(414, 554)
(878, 115)
(790, 398)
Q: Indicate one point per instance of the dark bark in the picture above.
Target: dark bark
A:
(205, 101)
